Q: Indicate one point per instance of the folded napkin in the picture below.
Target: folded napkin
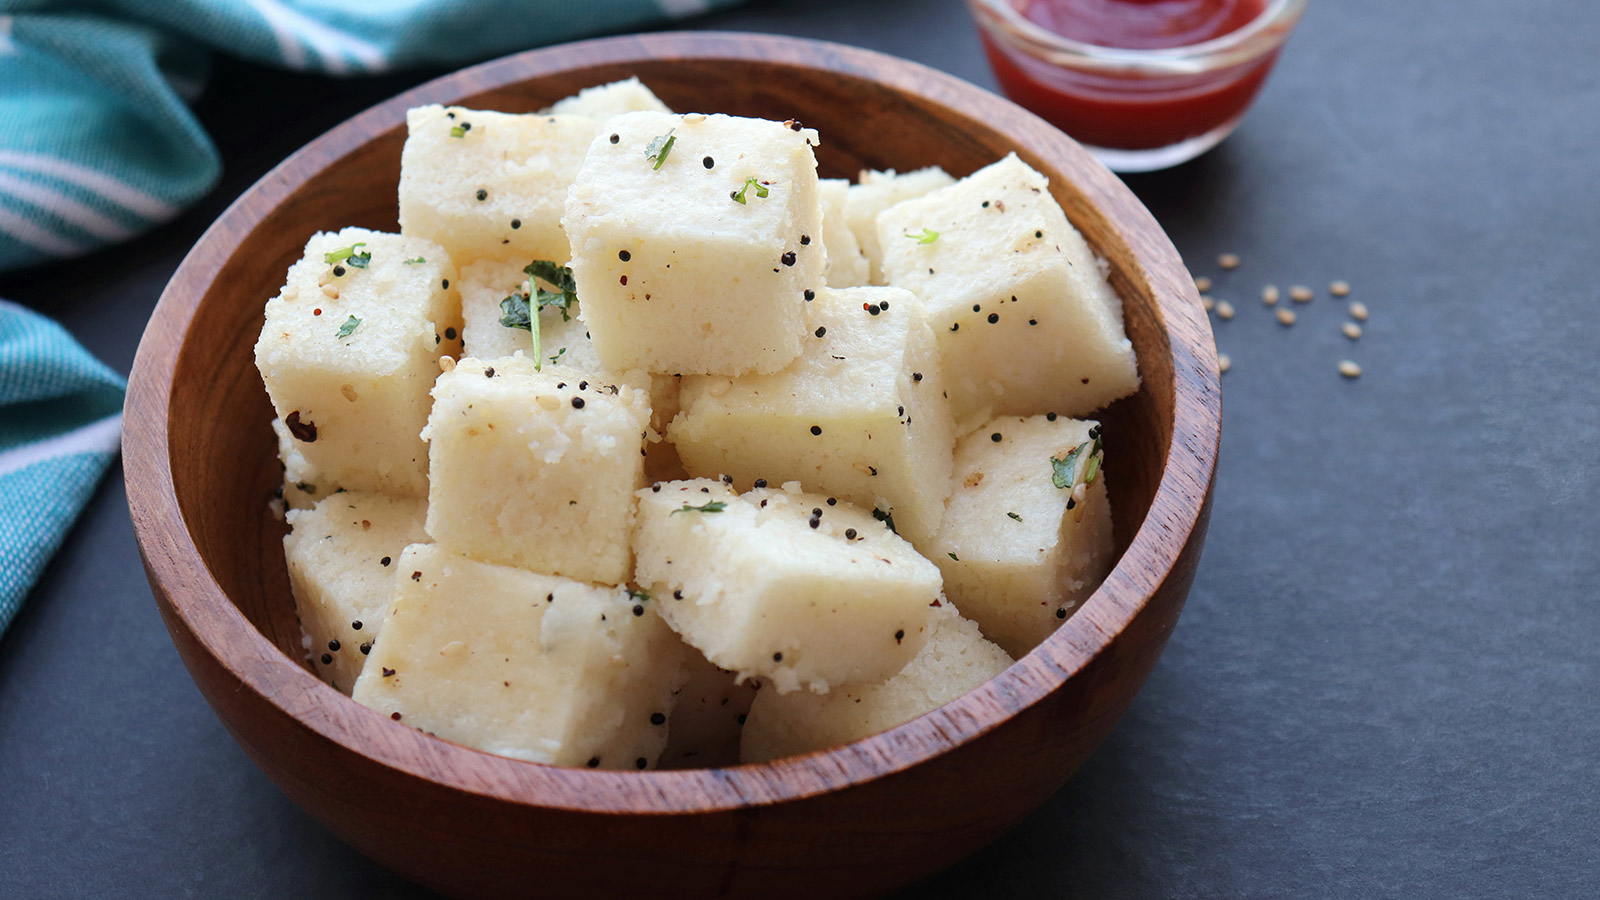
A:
(60, 423)
(97, 144)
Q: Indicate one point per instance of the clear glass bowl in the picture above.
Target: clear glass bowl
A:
(1137, 110)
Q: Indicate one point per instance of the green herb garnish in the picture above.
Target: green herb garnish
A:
(349, 327)
(412, 262)
(641, 596)
(954, 557)
(714, 506)
(516, 311)
(306, 487)
(761, 190)
(1014, 516)
(1064, 471)
(926, 237)
(457, 131)
(658, 148)
(349, 256)
(559, 353)
(885, 518)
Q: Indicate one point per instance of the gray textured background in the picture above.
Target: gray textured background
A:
(1385, 680)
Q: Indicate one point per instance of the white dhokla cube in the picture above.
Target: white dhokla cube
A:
(955, 660)
(484, 284)
(847, 265)
(1026, 320)
(707, 716)
(488, 184)
(860, 415)
(876, 192)
(1019, 553)
(529, 666)
(536, 469)
(606, 100)
(695, 258)
(348, 351)
(782, 584)
(341, 558)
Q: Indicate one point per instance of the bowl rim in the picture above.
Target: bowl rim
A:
(196, 602)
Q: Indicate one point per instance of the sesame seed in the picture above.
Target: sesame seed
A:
(1351, 330)
(1228, 260)
(1224, 309)
(1207, 302)
(330, 291)
(1202, 284)
(1358, 311)
(1301, 294)
(1269, 295)
(1349, 369)
(1339, 288)
(1224, 362)
(483, 194)
(1286, 317)
(816, 429)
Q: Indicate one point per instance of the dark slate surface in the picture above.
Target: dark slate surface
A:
(1385, 681)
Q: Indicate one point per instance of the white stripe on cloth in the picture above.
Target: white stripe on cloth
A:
(65, 208)
(289, 26)
(37, 236)
(101, 436)
(679, 9)
(7, 46)
(122, 194)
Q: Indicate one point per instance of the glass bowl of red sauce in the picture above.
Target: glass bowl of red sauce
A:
(1142, 84)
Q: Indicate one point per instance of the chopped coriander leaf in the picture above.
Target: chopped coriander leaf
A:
(926, 237)
(349, 256)
(885, 518)
(658, 148)
(566, 290)
(640, 596)
(954, 557)
(1014, 516)
(559, 353)
(752, 181)
(514, 312)
(714, 506)
(1064, 471)
(349, 327)
(412, 262)
(307, 488)
(457, 131)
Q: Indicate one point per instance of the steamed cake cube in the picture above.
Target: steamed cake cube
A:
(348, 359)
(847, 266)
(876, 192)
(341, 556)
(530, 666)
(536, 469)
(955, 660)
(707, 716)
(484, 284)
(489, 184)
(1016, 559)
(860, 415)
(676, 277)
(1026, 320)
(606, 100)
(783, 585)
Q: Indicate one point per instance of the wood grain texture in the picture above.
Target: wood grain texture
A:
(856, 820)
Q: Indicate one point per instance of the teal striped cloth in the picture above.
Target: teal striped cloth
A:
(98, 145)
(60, 424)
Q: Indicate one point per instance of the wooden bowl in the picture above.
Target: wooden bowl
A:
(860, 819)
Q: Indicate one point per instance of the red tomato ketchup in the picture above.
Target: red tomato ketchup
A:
(1173, 72)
